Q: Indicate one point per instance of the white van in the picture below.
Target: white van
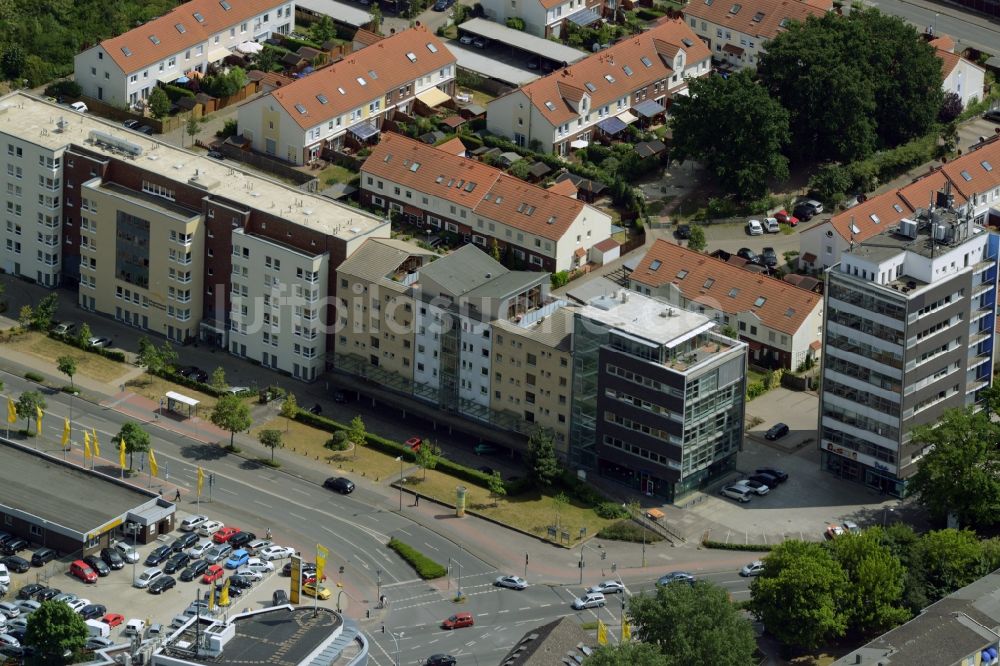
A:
(98, 628)
(79, 107)
(147, 577)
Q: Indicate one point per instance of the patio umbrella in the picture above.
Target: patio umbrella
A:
(182, 79)
(249, 47)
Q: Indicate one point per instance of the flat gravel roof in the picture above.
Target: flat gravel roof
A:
(49, 489)
(279, 637)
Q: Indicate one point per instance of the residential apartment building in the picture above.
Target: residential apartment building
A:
(545, 18)
(960, 76)
(658, 395)
(435, 188)
(352, 97)
(642, 73)
(909, 333)
(737, 32)
(175, 244)
(122, 71)
(972, 178)
(781, 323)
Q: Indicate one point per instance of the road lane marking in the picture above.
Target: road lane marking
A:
(262, 504)
(503, 611)
(429, 546)
(524, 609)
(299, 490)
(295, 515)
(227, 491)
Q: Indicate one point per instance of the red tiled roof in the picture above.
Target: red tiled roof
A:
(453, 146)
(943, 43)
(366, 37)
(340, 86)
(556, 95)
(170, 40)
(489, 192)
(607, 244)
(720, 285)
(762, 18)
(564, 187)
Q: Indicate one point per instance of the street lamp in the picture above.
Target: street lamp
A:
(400, 459)
(378, 583)
(394, 641)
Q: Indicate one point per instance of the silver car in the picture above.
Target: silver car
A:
(217, 553)
(589, 600)
(608, 587)
(739, 493)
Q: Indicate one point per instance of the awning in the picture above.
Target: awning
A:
(648, 108)
(217, 54)
(579, 143)
(433, 97)
(612, 126)
(183, 399)
(627, 117)
(585, 17)
(732, 49)
(167, 77)
(363, 130)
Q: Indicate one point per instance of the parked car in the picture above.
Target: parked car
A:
(4, 576)
(128, 553)
(748, 254)
(213, 573)
(99, 342)
(756, 487)
(257, 545)
(467, 39)
(992, 115)
(176, 562)
(209, 528)
(459, 620)
(82, 570)
(225, 534)
(14, 546)
(279, 598)
(184, 541)
(276, 552)
(484, 449)
(135, 627)
(755, 228)
(65, 328)
(144, 579)
(98, 643)
(769, 257)
(771, 225)
(145, 129)
(783, 217)
(777, 431)
(256, 576)
(99, 566)
(241, 581)
(16, 564)
(480, 42)
(158, 555)
(242, 539)
(589, 600)
(9, 610)
(48, 593)
(833, 531)
(42, 556)
(316, 409)
(162, 584)
(192, 523)
(851, 526)
(804, 211)
(237, 559)
(92, 611)
(776, 473)
(130, 124)
(218, 552)
(765, 479)
(440, 660)
(195, 569)
(29, 591)
(199, 549)
(753, 569)
(257, 564)
(675, 577)
(216, 155)
(310, 589)
(683, 231)
(28, 606)
(79, 107)
(816, 205)
(739, 493)
(78, 604)
(340, 484)
(607, 587)
(65, 597)
(443, 5)
(513, 582)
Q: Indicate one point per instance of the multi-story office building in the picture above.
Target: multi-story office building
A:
(909, 332)
(658, 395)
(124, 69)
(170, 242)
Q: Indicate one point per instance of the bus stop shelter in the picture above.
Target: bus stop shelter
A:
(180, 403)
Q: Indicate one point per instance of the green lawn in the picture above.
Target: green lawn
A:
(336, 174)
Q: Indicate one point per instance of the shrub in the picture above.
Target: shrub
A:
(177, 378)
(64, 88)
(627, 530)
(174, 93)
(228, 129)
(581, 491)
(720, 545)
(611, 510)
(755, 390)
(338, 442)
(294, 44)
(34, 377)
(425, 567)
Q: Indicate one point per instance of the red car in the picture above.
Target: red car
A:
(82, 570)
(458, 620)
(214, 573)
(414, 444)
(113, 619)
(225, 534)
(783, 217)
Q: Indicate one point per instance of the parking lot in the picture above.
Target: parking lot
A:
(116, 591)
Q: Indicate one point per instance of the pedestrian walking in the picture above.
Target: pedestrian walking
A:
(268, 535)
(416, 502)
(177, 495)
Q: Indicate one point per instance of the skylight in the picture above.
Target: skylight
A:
(499, 199)
(855, 229)
(687, 42)
(322, 98)
(552, 219)
(127, 51)
(708, 2)
(681, 274)
(590, 86)
(966, 175)
(371, 73)
(387, 157)
(432, 48)
(439, 179)
(301, 109)
(758, 17)
(180, 28)
(897, 208)
(875, 219)
(627, 70)
(609, 78)
(469, 187)
(655, 266)
(154, 39)
(341, 90)
(790, 312)
(987, 165)
(783, 23)
(735, 9)
(224, 5)
(733, 292)
(529, 210)
(412, 57)
(550, 106)
(759, 302)
(646, 61)
(198, 17)
(414, 166)
(708, 283)
(361, 81)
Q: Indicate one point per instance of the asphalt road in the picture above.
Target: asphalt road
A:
(967, 28)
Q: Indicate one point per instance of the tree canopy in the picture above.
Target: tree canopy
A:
(742, 145)
(56, 632)
(231, 413)
(872, 601)
(629, 653)
(544, 467)
(136, 439)
(28, 405)
(272, 439)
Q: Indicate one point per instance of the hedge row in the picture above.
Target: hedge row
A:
(425, 567)
(722, 545)
(628, 530)
(177, 378)
(83, 345)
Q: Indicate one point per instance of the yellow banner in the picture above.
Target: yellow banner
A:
(11, 411)
(86, 447)
(602, 633)
(211, 597)
(38, 419)
(224, 595)
(322, 552)
(626, 630)
(97, 447)
(201, 480)
(65, 437)
(121, 453)
(154, 469)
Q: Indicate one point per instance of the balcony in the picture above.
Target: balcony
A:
(183, 279)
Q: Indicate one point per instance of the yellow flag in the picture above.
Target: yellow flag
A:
(38, 419)
(224, 596)
(211, 596)
(11, 411)
(65, 437)
(201, 480)
(626, 631)
(97, 447)
(602, 633)
(154, 469)
(322, 553)
(86, 447)
(121, 453)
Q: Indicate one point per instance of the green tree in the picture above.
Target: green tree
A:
(44, 312)
(271, 439)
(627, 654)
(428, 456)
(191, 127)
(874, 596)
(159, 103)
(233, 414)
(949, 559)
(27, 406)
(561, 501)
(799, 595)
(84, 334)
(12, 62)
(901, 540)
(289, 408)
(497, 487)
(515, 23)
(218, 379)
(960, 470)
(520, 169)
(155, 359)
(743, 144)
(542, 461)
(266, 59)
(494, 249)
(25, 316)
(375, 16)
(357, 433)
(56, 633)
(136, 439)
(697, 241)
(693, 624)
(324, 30)
(66, 364)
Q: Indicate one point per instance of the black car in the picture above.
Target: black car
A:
(93, 611)
(485, 469)
(159, 554)
(804, 211)
(98, 565)
(195, 569)
(29, 591)
(683, 232)
(15, 545)
(47, 593)
(443, 5)
(316, 409)
(777, 431)
(113, 558)
(766, 479)
(306, 566)
(776, 473)
(214, 154)
(769, 257)
(440, 660)
(241, 539)
(992, 115)
(145, 129)
(162, 584)
(42, 556)
(176, 562)
(16, 564)
(195, 373)
(279, 598)
(239, 581)
(130, 124)
(748, 254)
(340, 484)
(184, 541)
(339, 397)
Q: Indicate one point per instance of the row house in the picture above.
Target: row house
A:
(539, 228)
(354, 96)
(642, 73)
(545, 18)
(737, 32)
(781, 323)
(122, 71)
